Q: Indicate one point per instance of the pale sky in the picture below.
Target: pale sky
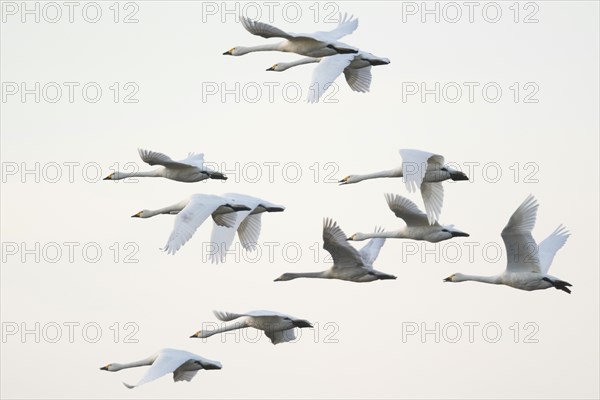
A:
(170, 62)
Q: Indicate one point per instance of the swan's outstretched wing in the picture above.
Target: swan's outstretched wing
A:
(325, 73)
(335, 242)
(359, 79)
(281, 336)
(199, 208)
(433, 198)
(227, 316)
(165, 363)
(371, 250)
(249, 231)
(549, 246)
(415, 164)
(194, 160)
(264, 30)
(155, 158)
(521, 249)
(406, 210)
(222, 237)
(345, 27)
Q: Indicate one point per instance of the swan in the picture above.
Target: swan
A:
(278, 327)
(247, 225)
(192, 212)
(417, 226)
(356, 69)
(348, 263)
(419, 169)
(317, 44)
(182, 364)
(528, 264)
(190, 169)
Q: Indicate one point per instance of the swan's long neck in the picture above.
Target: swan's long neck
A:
(302, 61)
(294, 275)
(141, 363)
(141, 174)
(390, 173)
(263, 47)
(398, 234)
(173, 209)
(226, 328)
(494, 280)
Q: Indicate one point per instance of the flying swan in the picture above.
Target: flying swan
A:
(356, 69)
(192, 212)
(348, 263)
(419, 169)
(278, 327)
(528, 263)
(417, 226)
(182, 364)
(190, 169)
(317, 44)
(247, 225)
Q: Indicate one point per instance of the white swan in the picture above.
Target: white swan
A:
(348, 263)
(182, 364)
(527, 264)
(247, 225)
(417, 226)
(191, 213)
(190, 169)
(317, 44)
(419, 169)
(356, 69)
(278, 327)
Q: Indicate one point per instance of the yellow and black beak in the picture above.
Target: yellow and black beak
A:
(105, 368)
(228, 52)
(195, 335)
(448, 279)
(271, 69)
(137, 215)
(109, 177)
(343, 181)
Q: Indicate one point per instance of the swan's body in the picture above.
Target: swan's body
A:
(528, 264)
(247, 225)
(190, 169)
(423, 170)
(349, 264)
(182, 364)
(317, 44)
(356, 69)
(192, 212)
(417, 225)
(278, 327)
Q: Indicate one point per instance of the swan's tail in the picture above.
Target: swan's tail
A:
(559, 285)
(343, 50)
(217, 175)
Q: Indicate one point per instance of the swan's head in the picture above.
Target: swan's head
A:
(349, 179)
(458, 277)
(357, 237)
(279, 67)
(110, 177)
(236, 51)
(302, 323)
(112, 367)
(285, 277)
(142, 214)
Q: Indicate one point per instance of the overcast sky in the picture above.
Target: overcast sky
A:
(516, 108)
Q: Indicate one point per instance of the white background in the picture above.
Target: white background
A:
(172, 53)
